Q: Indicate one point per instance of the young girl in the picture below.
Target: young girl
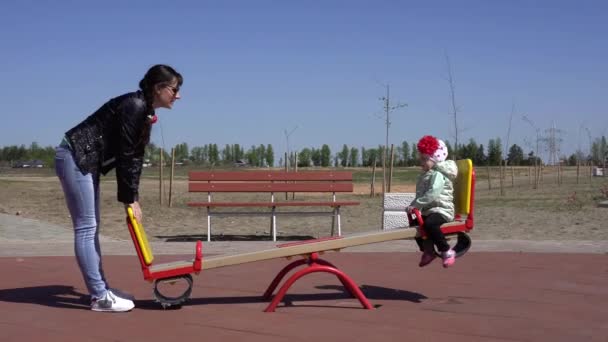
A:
(435, 198)
(114, 137)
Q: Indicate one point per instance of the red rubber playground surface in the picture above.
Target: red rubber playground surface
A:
(486, 296)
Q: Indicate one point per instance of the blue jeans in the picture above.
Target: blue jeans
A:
(82, 198)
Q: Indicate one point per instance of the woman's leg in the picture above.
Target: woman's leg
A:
(432, 224)
(98, 222)
(82, 198)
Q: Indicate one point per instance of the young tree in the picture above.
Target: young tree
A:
(455, 108)
(150, 152)
(261, 151)
(343, 156)
(516, 155)
(181, 151)
(269, 156)
(226, 154)
(405, 154)
(599, 151)
(304, 157)
(451, 153)
(495, 152)
(364, 157)
(214, 154)
(414, 154)
(252, 156)
(316, 156)
(354, 157)
(480, 156)
(238, 152)
(325, 156)
(469, 150)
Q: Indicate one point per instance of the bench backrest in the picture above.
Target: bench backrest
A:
(270, 181)
(140, 240)
(464, 189)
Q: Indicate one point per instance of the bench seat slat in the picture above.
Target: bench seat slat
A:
(270, 176)
(270, 187)
(271, 204)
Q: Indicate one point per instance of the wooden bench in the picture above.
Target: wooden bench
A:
(272, 183)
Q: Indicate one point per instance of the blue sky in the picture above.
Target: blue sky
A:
(254, 69)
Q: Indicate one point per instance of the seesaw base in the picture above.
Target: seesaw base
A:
(313, 264)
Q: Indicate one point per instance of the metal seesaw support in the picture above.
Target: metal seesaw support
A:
(314, 264)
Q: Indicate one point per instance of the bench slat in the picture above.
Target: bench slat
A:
(270, 187)
(271, 204)
(270, 176)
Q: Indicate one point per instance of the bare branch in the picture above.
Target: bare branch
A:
(455, 108)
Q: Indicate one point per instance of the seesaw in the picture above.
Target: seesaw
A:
(173, 272)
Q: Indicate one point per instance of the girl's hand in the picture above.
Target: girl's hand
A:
(136, 211)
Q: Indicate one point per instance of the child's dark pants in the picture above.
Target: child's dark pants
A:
(432, 223)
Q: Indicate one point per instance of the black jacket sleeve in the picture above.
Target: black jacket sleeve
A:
(131, 116)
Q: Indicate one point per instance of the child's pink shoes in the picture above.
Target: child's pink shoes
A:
(449, 258)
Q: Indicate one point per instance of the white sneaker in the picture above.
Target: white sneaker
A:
(110, 302)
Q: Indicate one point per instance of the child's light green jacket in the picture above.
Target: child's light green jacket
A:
(435, 190)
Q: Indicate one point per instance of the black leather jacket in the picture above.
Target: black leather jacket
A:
(112, 138)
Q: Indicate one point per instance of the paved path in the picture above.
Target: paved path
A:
(25, 237)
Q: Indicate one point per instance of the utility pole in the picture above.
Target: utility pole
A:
(388, 108)
(387, 112)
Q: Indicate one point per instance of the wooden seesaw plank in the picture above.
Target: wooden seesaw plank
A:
(300, 248)
(310, 247)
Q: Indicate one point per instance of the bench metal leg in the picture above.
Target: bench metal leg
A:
(333, 222)
(339, 221)
(208, 224)
(336, 217)
(274, 225)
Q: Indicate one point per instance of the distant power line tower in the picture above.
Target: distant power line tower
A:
(537, 140)
(553, 142)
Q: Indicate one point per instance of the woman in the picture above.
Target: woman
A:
(115, 136)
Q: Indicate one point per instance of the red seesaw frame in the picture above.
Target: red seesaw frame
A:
(170, 272)
(310, 249)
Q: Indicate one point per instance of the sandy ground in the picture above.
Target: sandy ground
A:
(568, 211)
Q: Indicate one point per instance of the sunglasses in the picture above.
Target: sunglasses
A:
(175, 90)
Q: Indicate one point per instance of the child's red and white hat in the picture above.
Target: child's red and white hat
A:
(434, 148)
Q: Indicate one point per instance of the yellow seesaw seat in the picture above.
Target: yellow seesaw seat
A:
(142, 239)
(463, 189)
(146, 258)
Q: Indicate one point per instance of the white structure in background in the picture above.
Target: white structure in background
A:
(394, 215)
